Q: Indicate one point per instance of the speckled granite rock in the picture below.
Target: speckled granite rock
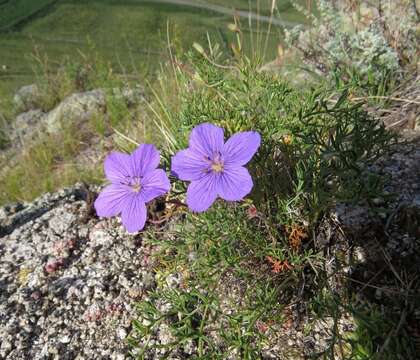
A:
(68, 280)
(27, 98)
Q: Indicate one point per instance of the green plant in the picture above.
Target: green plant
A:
(213, 254)
(310, 142)
(316, 150)
(374, 335)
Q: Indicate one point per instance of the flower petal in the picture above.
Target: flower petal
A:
(189, 165)
(112, 200)
(154, 184)
(134, 214)
(206, 139)
(234, 183)
(241, 147)
(144, 159)
(202, 193)
(117, 166)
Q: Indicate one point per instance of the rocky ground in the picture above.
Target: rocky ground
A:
(67, 280)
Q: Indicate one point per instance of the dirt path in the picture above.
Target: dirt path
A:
(228, 11)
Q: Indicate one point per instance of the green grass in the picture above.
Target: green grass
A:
(52, 162)
(214, 253)
(130, 34)
(12, 12)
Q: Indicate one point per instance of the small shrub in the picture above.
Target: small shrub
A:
(361, 45)
(309, 142)
(315, 151)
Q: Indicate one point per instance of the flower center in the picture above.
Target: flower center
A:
(135, 184)
(217, 166)
(216, 163)
(136, 188)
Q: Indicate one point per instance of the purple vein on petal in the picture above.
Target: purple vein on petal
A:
(206, 139)
(144, 159)
(202, 193)
(133, 214)
(117, 167)
(241, 147)
(189, 165)
(234, 184)
(111, 200)
(154, 184)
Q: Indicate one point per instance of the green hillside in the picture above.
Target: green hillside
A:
(129, 33)
(12, 12)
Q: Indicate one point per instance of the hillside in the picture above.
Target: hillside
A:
(15, 12)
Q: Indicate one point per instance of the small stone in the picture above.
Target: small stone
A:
(173, 280)
(6, 345)
(121, 333)
(359, 254)
(135, 292)
(65, 339)
(378, 201)
(148, 281)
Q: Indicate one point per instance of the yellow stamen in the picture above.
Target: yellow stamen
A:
(136, 187)
(217, 167)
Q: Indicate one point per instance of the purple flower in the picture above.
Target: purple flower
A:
(215, 168)
(134, 182)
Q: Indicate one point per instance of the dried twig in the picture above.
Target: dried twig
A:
(386, 98)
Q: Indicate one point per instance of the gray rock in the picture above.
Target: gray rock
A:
(17, 215)
(79, 107)
(27, 98)
(26, 126)
(354, 217)
(131, 95)
(79, 308)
